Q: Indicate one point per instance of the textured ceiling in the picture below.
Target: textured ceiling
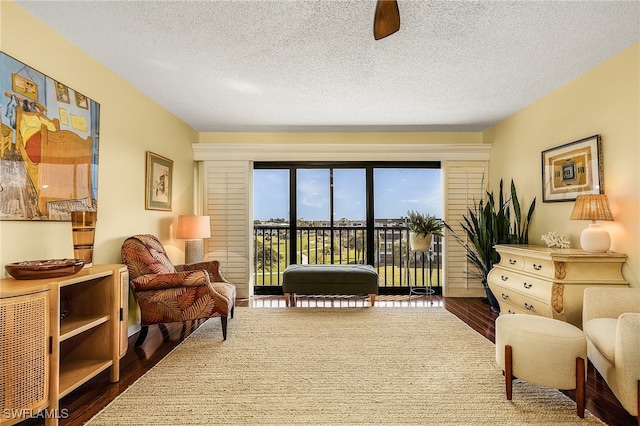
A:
(314, 65)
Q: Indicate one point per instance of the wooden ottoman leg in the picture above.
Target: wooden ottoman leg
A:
(373, 299)
(508, 371)
(287, 298)
(580, 386)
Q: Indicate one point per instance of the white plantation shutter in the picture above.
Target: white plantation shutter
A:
(226, 199)
(464, 184)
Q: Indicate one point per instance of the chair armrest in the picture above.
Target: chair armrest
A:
(628, 344)
(212, 267)
(173, 280)
(604, 302)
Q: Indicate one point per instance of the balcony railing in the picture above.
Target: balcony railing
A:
(398, 267)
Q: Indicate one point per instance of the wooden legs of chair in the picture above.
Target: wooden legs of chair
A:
(638, 396)
(225, 321)
(508, 371)
(580, 379)
(143, 335)
(165, 333)
(581, 366)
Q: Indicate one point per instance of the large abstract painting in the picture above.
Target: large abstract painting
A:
(48, 146)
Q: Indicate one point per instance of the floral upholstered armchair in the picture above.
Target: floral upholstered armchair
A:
(168, 293)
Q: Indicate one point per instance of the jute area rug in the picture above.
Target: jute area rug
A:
(328, 366)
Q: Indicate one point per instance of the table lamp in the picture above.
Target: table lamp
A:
(193, 229)
(593, 207)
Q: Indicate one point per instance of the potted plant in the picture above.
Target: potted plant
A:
(487, 224)
(423, 227)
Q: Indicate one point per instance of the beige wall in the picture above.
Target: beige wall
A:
(131, 124)
(605, 101)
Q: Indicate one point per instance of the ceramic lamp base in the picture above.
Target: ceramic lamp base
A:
(193, 251)
(595, 239)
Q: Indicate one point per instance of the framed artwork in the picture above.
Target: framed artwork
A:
(572, 169)
(81, 101)
(24, 86)
(62, 92)
(52, 161)
(159, 181)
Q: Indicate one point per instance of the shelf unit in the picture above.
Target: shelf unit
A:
(86, 321)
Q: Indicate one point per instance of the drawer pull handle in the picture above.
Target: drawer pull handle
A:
(537, 267)
(528, 307)
(505, 296)
(527, 286)
(512, 261)
(503, 278)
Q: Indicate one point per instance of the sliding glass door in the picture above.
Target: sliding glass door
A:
(340, 213)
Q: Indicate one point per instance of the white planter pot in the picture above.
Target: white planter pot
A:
(420, 242)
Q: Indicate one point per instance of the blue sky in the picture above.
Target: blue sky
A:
(395, 192)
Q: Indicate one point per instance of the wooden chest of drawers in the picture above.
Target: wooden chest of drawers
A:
(550, 282)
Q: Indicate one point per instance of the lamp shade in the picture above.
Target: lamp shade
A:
(193, 227)
(591, 207)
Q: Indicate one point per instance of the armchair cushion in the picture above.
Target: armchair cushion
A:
(602, 333)
(170, 280)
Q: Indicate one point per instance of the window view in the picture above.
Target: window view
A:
(322, 219)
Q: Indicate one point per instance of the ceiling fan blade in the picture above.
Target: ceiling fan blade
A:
(387, 19)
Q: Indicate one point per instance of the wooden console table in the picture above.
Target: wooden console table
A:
(58, 334)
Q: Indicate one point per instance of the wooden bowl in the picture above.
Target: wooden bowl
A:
(39, 269)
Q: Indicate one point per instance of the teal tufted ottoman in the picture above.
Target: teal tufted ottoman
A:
(329, 279)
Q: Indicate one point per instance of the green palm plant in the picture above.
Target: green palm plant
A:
(425, 224)
(487, 224)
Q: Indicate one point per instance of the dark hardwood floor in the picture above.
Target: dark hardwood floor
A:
(82, 404)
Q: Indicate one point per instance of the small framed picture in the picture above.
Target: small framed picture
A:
(62, 92)
(159, 181)
(81, 101)
(23, 86)
(572, 169)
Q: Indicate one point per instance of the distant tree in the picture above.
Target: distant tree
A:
(266, 258)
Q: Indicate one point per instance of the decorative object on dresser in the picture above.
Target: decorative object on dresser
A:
(553, 239)
(593, 207)
(66, 330)
(550, 282)
(193, 229)
(487, 224)
(572, 169)
(40, 269)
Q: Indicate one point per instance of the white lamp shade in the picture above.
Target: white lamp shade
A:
(193, 227)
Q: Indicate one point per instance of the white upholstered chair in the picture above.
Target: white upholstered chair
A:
(611, 323)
